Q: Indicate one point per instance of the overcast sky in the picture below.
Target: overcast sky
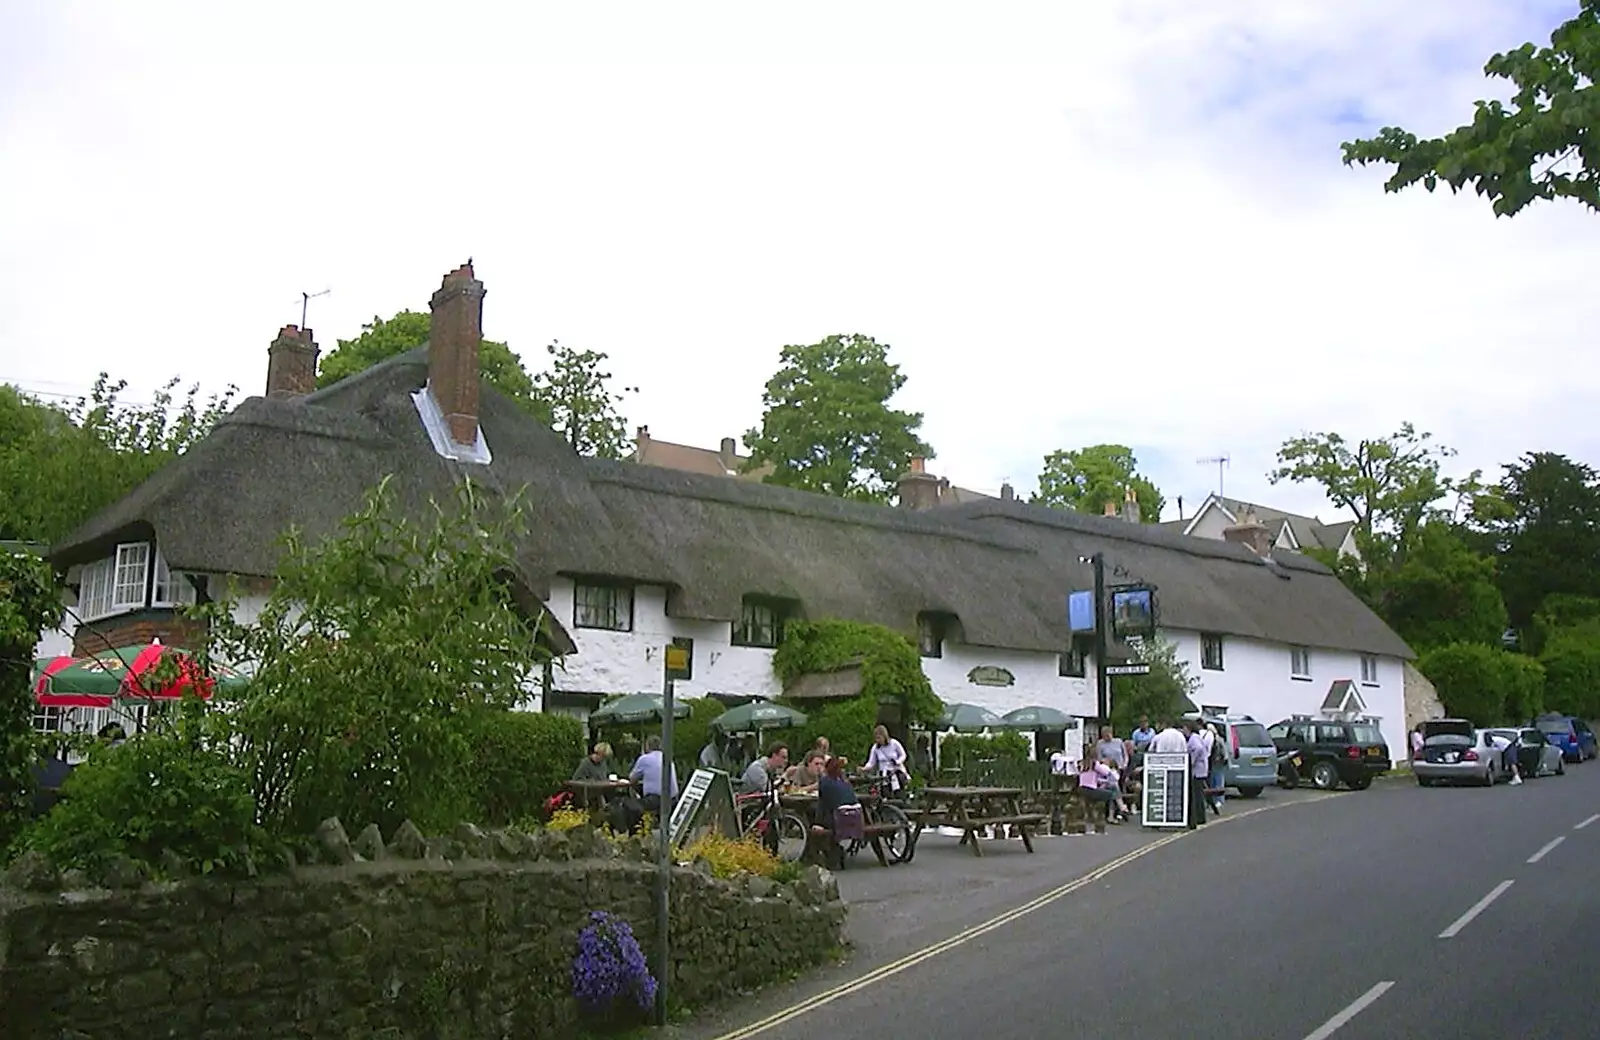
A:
(1073, 222)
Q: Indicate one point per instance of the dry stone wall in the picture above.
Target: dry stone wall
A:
(468, 937)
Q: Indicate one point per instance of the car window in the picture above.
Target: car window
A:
(1580, 725)
(1555, 727)
(1532, 737)
(1252, 734)
(1279, 732)
(1330, 733)
(1301, 734)
(1366, 733)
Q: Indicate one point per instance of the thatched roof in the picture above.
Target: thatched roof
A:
(1002, 568)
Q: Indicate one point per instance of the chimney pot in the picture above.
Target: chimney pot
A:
(919, 465)
(291, 364)
(454, 335)
(643, 433)
(1111, 509)
(1250, 533)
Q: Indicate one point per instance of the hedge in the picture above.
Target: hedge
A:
(1485, 684)
(522, 758)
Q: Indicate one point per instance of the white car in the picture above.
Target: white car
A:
(1533, 752)
(1455, 751)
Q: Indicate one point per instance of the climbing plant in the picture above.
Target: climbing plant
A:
(28, 602)
(891, 670)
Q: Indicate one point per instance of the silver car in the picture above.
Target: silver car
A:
(1533, 752)
(1455, 751)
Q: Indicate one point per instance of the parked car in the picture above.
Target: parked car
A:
(1333, 751)
(1456, 751)
(1252, 764)
(1572, 735)
(1534, 754)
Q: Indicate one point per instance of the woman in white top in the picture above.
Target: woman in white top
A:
(889, 756)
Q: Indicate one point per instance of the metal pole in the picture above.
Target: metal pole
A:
(664, 864)
(1102, 681)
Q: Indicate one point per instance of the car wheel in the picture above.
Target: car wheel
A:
(1362, 784)
(1488, 778)
(1424, 781)
(1325, 775)
(1250, 792)
(1561, 767)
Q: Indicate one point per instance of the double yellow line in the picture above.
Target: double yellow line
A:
(928, 953)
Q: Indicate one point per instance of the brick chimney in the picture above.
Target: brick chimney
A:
(729, 454)
(920, 489)
(1250, 533)
(453, 338)
(1111, 509)
(641, 441)
(1130, 507)
(1008, 493)
(292, 364)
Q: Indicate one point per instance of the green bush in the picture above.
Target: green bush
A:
(847, 724)
(1572, 673)
(1485, 684)
(158, 799)
(522, 758)
(1006, 745)
(28, 602)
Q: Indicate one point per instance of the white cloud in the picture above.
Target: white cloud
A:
(1124, 223)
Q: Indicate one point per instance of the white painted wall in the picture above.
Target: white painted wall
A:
(1037, 681)
(630, 662)
(1255, 680)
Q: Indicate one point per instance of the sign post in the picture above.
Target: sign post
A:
(678, 661)
(1166, 790)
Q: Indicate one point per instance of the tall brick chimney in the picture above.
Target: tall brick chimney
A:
(453, 338)
(1250, 533)
(729, 454)
(920, 489)
(292, 364)
(641, 441)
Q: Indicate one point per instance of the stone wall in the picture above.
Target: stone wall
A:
(1422, 703)
(457, 942)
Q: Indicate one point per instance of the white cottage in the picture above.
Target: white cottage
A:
(629, 557)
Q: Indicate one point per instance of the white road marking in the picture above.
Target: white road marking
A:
(1586, 823)
(1354, 1008)
(1549, 846)
(1477, 908)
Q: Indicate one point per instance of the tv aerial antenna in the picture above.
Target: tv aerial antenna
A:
(305, 303)
(1219, 461)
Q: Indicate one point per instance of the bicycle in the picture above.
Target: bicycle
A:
(781, 831)
(882, 812)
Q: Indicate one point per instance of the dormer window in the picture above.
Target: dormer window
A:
(605, 605)
(132, 578)
(932, 628)
(760, 623)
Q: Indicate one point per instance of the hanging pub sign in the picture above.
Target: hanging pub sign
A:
(1133, 612)
(1080, 611)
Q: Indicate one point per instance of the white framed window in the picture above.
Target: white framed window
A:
(1299, 662)
(47, 718)
(172, 588)
(131, 579)
(603, 606)
(1369, 669)
(94, 589)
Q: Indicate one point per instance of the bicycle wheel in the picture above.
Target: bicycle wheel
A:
(896, 845)
(791, 833)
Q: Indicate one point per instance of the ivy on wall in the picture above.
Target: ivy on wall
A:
(28, 603)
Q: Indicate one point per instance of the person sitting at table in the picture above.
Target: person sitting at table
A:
(648, 772)
(833, 794)
(596, 765)
(1096, 785)
(757, 779)
(806, 775)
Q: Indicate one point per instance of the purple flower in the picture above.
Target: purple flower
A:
(610, 967)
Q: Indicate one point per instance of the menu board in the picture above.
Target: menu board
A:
(705, 804)
(1166, 790)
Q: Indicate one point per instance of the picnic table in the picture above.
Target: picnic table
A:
(874, 830)
(972, 809)
(593, 794)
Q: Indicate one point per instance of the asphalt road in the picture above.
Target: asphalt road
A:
(1395, 912)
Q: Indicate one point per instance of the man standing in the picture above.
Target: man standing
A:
(1143, 735)
(1169, 742)
(1199, 771)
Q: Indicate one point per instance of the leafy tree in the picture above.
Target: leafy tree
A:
(576, 398)
(1571, 660)
(61, 465)
(1086, 479)
(1443, 593)
(1545, 518)
(408, 330)
(29, 601)
(373, 662)
(1165, 693)
(1482, 683)
(827, 425)
(1511, 155)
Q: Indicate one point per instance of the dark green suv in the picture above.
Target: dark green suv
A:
(1334, 752)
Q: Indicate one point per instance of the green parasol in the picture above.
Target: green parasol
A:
(634, 709)
(757, 715)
